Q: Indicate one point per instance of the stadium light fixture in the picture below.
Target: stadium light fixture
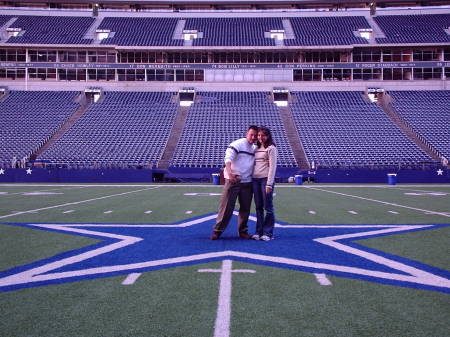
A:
(190, 35)
(365, 33)
(375, 94)
(281, 97)
(277, 34)
(102, 34)
(13, 32)
(186, 97)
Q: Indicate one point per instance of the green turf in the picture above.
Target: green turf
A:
(25, 245)
(182, 302)
(278, 302)
(175, 303)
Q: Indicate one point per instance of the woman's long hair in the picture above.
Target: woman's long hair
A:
(267, 132)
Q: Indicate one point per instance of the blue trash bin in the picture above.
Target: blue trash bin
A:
(216, 179)
(298, 179)
(392, 178)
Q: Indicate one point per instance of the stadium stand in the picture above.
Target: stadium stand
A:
(234, 31)
(218, 118)
(428, 114)
(4, 19)
(320, 57)
(343, 129)
(28, 119)
(125, 129)
(141, 31)
(327, 31)
(52, 30)
(425, 28)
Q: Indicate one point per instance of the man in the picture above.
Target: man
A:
(239, 162)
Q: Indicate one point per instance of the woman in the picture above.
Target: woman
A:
(263, 184)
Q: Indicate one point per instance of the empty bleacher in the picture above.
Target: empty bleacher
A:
(234, 31)
(327, 31)
(218, 118)
(249, 31)
(4, 19)
(125, 129)
(29, 118)
(141, 31)
(428, 114)
(342, 129)
(52, 29)
(425, 28)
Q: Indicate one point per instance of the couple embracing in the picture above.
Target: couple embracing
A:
(250, 165)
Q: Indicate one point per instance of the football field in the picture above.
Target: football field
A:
(136, 261)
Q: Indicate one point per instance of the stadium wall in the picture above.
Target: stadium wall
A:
(355, 176)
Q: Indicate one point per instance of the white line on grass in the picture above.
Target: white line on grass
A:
(131, 279)
(393, 212)
(323, 279)
(188, 212)
(312, 212)
(147, 212)
(107, 212)
(69, 211)
(353, 212)
(380, 201)
(52, 189)
(76, 202)
(222, 325)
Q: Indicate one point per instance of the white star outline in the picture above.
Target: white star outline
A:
(43, 273)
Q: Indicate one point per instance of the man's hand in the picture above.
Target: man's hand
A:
(234, 178)
(268, 189)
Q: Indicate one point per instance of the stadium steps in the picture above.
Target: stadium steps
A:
(174, 137)
(178, 32)
(377, 32)
(288, 30)
(63, 129)
(385, 104)
(3, 34)
(293, 138)
(91, 33)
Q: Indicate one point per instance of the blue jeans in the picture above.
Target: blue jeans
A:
(264, 203)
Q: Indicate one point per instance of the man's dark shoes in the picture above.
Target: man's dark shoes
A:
(215, 236)
(245, 236)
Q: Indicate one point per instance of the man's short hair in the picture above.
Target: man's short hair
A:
(252, 127)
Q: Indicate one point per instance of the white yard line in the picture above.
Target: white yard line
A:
(131, 279)
(380, 201)
(393, 212)
(223, 318)
(69, 211)
(76, 202)
(323, 280)
(414, 190)
(49, 190)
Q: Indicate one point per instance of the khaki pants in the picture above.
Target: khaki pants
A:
(231, 192)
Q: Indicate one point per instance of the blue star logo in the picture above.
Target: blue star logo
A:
(131, 248)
